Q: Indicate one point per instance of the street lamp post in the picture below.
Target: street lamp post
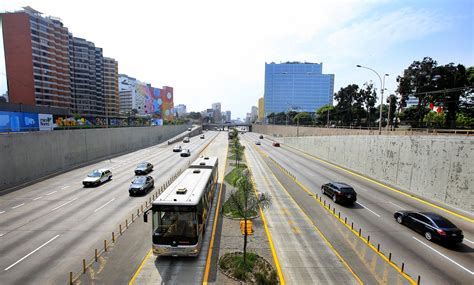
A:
(382, 85)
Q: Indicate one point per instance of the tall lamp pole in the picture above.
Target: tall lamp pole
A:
(382, 85)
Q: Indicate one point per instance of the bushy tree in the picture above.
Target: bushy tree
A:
(434, 119)
(303, 118)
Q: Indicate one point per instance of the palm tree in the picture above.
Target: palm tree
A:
(245, 200)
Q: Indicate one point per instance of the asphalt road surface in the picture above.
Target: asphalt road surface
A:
(47, 228)
(373, 212)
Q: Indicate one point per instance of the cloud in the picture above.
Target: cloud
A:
(377, 34)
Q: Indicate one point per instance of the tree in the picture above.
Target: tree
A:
(464, 121)
(368, 96)
(271, 118)
(323, 112)
(303, 118)
(434, 119)
(417, 79)
(245, 201)
(392, 106)
(345, 98)
(195, 115)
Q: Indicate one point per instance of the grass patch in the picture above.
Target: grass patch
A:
(231, 176)
(256, 270)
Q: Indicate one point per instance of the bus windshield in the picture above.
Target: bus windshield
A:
(174, 228)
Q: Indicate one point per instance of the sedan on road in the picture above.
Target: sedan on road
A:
(339, 192)
(431, 225)
(257, 142)
(276, 144)
(177, 148)
(186, 152)
(261, 137)
(144, 168)
(202, 137)
(97, 177)
(186, 140)
(141, 185)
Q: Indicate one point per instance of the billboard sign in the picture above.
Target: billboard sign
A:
(18, 122)
(45, 122)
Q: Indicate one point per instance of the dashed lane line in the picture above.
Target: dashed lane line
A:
(26, 256)
(50, 193)
(18, 206)
(64, 204)
(396, 205)
(470, 272)
(369, 209)
(98, 209)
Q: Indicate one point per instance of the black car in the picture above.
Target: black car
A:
(431, 225)
(340, 192)
(144, 168)
(261, 136)
(141, 185)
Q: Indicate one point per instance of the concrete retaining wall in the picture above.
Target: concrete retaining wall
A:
(25, 157)
(436, 167)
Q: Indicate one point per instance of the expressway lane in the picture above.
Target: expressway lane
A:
(78, 218)
(374, 214)
(171, 270)
(369, 267)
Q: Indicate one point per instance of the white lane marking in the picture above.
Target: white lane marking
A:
(63, 204)
(18, 206)
(1, 212)
(369, 209)
(67, 186)
(98, 209)
(396, 205)
(21, 259)
(468, 240)
(1, 235)
(37, 198)
(471, 272)
(51, 193)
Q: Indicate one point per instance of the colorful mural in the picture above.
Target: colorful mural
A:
(155, 101)
(167, 102)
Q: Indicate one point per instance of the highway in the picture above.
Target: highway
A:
(47, 228)
(183, 270)
(373, 213)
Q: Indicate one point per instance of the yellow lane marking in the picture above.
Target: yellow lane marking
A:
(320, 233)
(140, 268)
(382, 185)
(352, 230)
(214, 226)
(269, 236)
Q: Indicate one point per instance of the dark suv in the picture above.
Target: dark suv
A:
(340, 192)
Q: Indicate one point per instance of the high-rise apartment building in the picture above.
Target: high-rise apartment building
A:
(296, 86)
(36, 59)
(111, 87)
(228, 117)
(217, 113)
(87, 77)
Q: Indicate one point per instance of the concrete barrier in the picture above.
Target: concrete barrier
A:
(436, 167)
(26, 157)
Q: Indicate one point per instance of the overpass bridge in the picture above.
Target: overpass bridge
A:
(212, 126)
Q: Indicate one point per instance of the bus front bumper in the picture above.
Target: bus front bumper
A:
(167, 250)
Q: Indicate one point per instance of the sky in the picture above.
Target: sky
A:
(215, 51)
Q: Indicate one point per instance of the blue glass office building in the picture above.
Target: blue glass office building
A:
(296, 86)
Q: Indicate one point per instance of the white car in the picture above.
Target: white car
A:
(177, 148)
(97, 177)
(186, 152)
(186, 139)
